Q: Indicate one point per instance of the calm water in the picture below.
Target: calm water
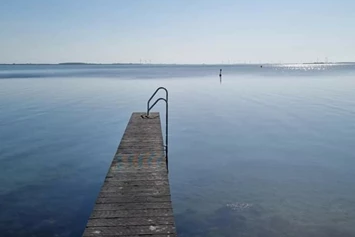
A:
(266, 152)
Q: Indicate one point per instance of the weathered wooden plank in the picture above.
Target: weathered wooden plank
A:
(137, 168)
(135, 196)
(135, 183)
(132, 206)
(136, 178)
(135, 190)
(102, 214)
(143, 129)
(134, 173)
(108, 188)
(132, 221)
(139, 176)
(138, 235)
(143, 147)
(147, 134)
(143, 142)
(153, 164)
(112, 187)
(130, 199)
(133, 150)
(117, 181)
(130, 230)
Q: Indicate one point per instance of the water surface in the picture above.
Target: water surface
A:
(264, 152)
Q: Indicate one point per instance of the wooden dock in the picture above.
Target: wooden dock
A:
(135, 197)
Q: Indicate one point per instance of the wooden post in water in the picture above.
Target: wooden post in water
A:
(135, 197)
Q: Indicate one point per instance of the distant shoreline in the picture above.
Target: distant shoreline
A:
(157, 64)
(72, 64)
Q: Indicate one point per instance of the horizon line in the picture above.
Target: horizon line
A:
(250, 63)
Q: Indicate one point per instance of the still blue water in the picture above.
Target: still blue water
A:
(263, 152)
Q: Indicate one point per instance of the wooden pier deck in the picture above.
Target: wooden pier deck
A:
(135, 197)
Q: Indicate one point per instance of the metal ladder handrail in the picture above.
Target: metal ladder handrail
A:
(166, 116)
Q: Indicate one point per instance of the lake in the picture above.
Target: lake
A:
(262, 152)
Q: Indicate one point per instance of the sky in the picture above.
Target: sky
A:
(176, 31)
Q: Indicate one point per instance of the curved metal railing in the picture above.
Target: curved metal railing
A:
(149, 107)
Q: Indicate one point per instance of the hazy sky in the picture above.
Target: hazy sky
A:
(179, 31)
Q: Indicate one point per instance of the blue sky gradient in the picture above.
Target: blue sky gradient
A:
(183, 31)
